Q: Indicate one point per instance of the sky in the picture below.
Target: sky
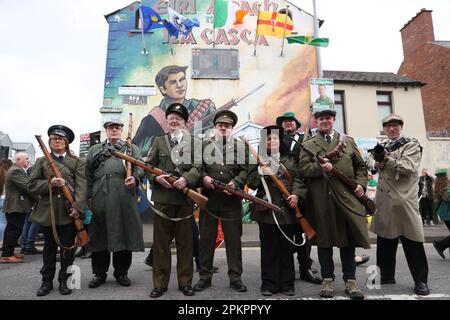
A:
(53, 54)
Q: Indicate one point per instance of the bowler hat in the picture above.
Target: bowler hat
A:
(288, 116)
(226, 116)
(392, 118)
(178, 108)
(112, 122)
(62, 131)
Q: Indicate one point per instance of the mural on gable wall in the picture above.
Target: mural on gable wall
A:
(170, 77)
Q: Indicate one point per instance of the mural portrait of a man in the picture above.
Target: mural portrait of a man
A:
(171, 81)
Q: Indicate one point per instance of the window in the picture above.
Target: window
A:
(339, 124)
(138, 22)
(384, 102)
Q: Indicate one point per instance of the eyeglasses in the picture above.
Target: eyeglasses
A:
(57, 138)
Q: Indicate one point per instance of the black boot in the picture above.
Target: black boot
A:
(63, 289)
(45, 288)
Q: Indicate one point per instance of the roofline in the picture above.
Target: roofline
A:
(417, 14)
(398, 84)
(110, 14)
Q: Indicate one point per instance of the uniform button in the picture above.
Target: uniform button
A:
(221, 172)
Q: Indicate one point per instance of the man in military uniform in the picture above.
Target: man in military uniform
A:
(18, 203)
(42, 184)
(292, 139)
(397, 216)
(174, 153)
(337, 215)
(224, 159)
(171, 81)
(116, 225)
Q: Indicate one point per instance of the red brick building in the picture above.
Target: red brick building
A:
(428, 61)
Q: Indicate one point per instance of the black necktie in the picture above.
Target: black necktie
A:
(174, 142)
(328, 138)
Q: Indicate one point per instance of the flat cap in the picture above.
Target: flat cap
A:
(226, 116)
(62, 131)
(112, 122)
(392, 118)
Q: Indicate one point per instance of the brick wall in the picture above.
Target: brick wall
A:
(428, 63)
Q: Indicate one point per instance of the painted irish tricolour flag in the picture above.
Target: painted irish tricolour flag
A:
(227, 13)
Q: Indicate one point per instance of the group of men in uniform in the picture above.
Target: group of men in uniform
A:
(101, 182)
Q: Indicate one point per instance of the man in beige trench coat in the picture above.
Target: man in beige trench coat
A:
(397, 216)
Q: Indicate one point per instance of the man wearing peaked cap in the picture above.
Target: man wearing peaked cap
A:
(62, 131)
(392, 118)
(111, 122)
(178, 108)
(226, 116)
(42, 180)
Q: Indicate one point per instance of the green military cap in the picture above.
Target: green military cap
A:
(112, 122)
(288, 116)
(392, 118)
(178, 108)
(441, 171)
(319, 110)
(226, 116)
(62, 131)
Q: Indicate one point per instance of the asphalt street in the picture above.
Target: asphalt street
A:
(21, 281)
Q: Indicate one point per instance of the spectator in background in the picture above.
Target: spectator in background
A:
(426, 197)
(18, 203)
(442, 203)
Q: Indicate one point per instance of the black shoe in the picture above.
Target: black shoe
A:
(363, 260)
(63, 289)
(266, 293)
(421, 288)
(45, 289)
(22, 250)
(30, 251)
(288, 292)
(97, 281)
(187, 290)
(202, 284)
(123, 280)
(387, 281)
(309, 276)
(157, 292)
(238, 286)
(149, 262)
(438, 249)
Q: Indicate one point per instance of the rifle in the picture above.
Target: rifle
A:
(224, 187)
(226, 106)
(307, 228)
(350, 184)
(129, 149)
(82, 235)
(198, 198)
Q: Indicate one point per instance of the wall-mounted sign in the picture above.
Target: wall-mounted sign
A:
(215, 63)
(135, 100)
(137, 90)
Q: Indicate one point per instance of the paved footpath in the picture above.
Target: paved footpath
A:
(20, 281)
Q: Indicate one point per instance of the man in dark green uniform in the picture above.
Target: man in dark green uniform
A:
(171, 81)
(292, 139)
(116, 225)
(337, 215)
(175, 153)
(73, 175)
(224, 159)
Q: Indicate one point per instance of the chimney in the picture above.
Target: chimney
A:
(417, 32)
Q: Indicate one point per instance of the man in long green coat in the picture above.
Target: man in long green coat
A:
(225, 159)
(73, 175)
(116, 225)
(337, 215)
(174, 153)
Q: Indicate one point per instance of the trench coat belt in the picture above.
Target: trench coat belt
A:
(103, 180)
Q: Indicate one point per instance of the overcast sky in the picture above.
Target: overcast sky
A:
(53, 53)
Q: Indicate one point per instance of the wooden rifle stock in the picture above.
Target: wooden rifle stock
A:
(208, 117)
(350, 184)
(306, 226)
(224, 187)
(82, 235)
(198, 198)
(129, 149)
